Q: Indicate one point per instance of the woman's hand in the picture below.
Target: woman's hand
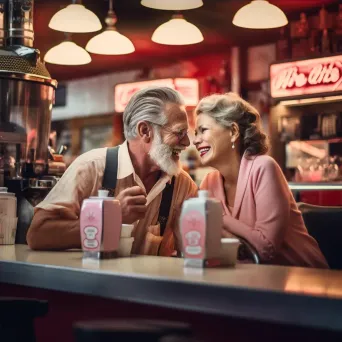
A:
(226, 234)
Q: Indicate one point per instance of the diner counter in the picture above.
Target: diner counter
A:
(289, 295)
(315, 186)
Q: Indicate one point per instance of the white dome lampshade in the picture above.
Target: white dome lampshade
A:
(75, 18)
(67, 53)
(177, 31)
(172, 5)
(110, 42)
(260, 14)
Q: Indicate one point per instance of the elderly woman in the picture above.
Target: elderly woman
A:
(257, 202)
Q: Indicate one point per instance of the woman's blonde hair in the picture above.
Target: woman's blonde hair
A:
(229, 108)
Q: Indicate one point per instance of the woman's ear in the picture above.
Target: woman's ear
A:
(145, 131)
(235, 132)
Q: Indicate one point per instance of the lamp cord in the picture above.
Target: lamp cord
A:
(111, 18)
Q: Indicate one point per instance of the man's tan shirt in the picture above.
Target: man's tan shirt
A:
(56, 221)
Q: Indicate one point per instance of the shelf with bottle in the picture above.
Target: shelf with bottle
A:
(310, 169)
(314, 35)
(311, 126)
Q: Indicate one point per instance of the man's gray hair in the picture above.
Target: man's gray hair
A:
(148, 104)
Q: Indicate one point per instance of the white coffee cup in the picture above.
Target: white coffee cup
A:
(125, 246)
(8, 229)
(126, 230)
(229, 251)
(8, 203)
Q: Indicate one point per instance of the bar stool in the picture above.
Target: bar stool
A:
(129, 330)
(17, 318)
(324, 225)
(247, 251)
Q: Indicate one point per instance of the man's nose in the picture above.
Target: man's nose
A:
(186, 140)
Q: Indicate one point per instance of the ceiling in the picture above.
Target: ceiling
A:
(137, 22)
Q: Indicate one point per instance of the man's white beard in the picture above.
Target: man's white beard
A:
(161, 154)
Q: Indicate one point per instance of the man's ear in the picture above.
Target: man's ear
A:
(145, 131)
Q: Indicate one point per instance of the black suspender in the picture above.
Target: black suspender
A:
(111, 168)
(165, 205)
(109, 183)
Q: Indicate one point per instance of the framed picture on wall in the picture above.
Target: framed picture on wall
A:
(96, 137)
(260, 99)
(259, 59)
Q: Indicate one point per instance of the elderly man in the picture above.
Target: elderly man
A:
(156, 131)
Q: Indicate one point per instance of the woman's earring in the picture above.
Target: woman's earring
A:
(233, 146)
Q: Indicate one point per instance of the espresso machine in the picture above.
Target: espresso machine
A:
(28, 166)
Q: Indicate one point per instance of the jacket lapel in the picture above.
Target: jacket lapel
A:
(220, 194)
(244, 174)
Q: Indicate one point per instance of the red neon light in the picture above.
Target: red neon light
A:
(306, 77)
(188, 87)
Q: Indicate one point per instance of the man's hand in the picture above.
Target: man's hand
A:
(132, 201)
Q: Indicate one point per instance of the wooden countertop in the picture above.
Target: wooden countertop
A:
(290, 295)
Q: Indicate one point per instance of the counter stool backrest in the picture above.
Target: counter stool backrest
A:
(248, 252)
(324, 224)
(17, 318)
(129, 330)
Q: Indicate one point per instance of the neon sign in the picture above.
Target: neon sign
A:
(188, 87)
(306, 77)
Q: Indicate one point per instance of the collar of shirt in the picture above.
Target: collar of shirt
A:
(125, 169)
